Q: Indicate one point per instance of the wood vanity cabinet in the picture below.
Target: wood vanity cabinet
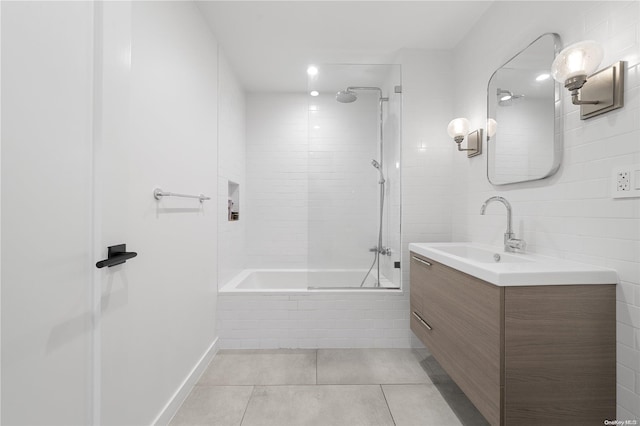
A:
(524, 355)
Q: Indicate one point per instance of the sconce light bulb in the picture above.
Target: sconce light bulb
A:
(458, 128)
(577, 60)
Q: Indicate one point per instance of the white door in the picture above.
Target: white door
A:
(156, 128)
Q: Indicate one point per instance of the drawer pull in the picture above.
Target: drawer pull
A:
(420, 260)
(415, 314)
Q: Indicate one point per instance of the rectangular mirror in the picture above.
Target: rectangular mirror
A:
(524, 135)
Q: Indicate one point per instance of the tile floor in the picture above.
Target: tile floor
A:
(326, 387)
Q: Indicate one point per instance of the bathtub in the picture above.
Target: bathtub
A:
(304, 280)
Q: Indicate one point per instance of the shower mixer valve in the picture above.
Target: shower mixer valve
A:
(385, 251)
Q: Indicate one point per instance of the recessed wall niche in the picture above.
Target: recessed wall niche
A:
(233, 202)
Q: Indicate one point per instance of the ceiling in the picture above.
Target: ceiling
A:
(269, 44)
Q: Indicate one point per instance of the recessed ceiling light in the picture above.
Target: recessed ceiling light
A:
(312, 70)
(506, 98)
(543, 77)
(314, 93)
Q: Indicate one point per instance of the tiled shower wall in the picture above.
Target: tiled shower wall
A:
(570, 215)
(312, 191)
(231, 167)
(276, 167)
(339, 319)
(343, 190)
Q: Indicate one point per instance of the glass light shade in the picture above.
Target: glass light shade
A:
(492, 127)
(458, 127)
(542, 77)
(580, 58)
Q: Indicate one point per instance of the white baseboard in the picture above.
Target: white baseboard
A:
(174, 404)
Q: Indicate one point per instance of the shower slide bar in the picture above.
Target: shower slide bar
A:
(159, 193)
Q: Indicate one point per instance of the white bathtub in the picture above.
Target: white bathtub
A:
(303, 280)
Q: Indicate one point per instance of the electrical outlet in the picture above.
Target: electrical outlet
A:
(622, 181)
(625, 181)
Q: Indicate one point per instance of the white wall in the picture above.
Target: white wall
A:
(231, 167)
(46, 229)
(343, 193)
(276, 165)
(571, 214)
(102, 102)
(427, 150)
(335, 177)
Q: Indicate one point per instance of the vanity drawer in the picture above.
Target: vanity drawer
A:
(465, 336)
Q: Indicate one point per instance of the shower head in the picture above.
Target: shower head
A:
(506, 97)
(346, 96)
(375, 164)
(349, 94)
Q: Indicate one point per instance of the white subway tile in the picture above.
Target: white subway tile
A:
(628, 400)
(623, 414)
(626, 335)
(625, 377)
(629, 357)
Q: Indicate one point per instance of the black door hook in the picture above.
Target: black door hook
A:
(116, 255)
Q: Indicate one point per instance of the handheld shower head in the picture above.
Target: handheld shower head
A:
(375, 164)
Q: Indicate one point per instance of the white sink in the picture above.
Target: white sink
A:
(492, 264)
(482, 254)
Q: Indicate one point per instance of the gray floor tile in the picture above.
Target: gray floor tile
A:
(214, 405)
(328, 405)
(418, 405)
(261, 367)
(371, 366)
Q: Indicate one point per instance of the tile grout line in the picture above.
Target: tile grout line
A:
(244, 413)
(316, 367)
(387, 402)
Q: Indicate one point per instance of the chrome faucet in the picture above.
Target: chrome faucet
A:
(511, 243)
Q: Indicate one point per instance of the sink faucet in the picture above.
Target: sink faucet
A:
(511, 243)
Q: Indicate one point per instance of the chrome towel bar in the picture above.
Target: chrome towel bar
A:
(159, 193)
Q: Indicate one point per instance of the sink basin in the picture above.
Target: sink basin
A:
(481, 254)
(513, 269)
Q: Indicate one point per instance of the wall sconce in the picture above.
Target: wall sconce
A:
(458, 129)
(595, 93)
